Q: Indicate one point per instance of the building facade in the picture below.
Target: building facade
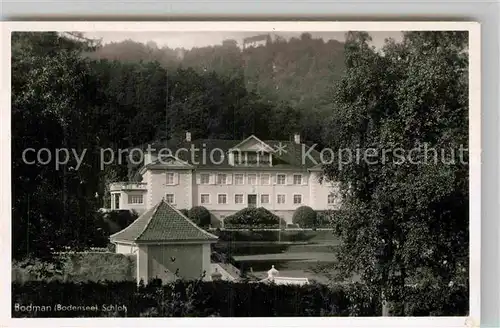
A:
(226, 176)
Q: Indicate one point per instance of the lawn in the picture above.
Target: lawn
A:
(296, 255)
(289, 256)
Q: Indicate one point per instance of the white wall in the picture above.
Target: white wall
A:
(320, 192)
(125, 249)
(124, 204)
(187, 260)
(187, 190)
(231, 189)
(158, 188)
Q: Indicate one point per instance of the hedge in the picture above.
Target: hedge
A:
(93, 266)
(193, 299)
(271, 236)
(251, 217)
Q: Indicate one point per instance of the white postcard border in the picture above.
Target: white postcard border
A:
(474, 177)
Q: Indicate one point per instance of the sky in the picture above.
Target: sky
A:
(189, 40)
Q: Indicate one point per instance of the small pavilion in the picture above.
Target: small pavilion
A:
(167, 244)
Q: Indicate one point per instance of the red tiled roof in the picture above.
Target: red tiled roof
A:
(162, 223)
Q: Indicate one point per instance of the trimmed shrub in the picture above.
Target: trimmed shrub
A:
(305, 217)
(252, 217)
(199, 215)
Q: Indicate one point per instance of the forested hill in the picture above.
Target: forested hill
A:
(298, 71)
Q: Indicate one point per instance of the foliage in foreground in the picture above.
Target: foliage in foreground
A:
(197, 298)
(221, 298)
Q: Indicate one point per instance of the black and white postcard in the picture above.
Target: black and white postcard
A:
(242, 169)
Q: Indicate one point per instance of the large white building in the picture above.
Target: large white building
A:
(226, 176)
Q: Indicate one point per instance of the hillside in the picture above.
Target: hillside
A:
(298, 71)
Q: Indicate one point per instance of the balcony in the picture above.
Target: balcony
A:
(118, 186)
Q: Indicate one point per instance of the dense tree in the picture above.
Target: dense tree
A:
(292, 76)
(405, 218)
(54, 106)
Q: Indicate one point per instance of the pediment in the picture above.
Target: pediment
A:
(171, 161)
(166, 162)
(252, 144)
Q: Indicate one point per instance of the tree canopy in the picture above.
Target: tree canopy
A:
(405, 218)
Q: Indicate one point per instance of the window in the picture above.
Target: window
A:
(239, 179)
(281, 199)
(281, 179)
(221, 178)
(252, 179)
(205, 198)
(170, 178)
(265, 179)
(135, 199)
(264, 199)
(331, 199)
(169, 198)
(297, 179)
(205, 178)
(238, 199)
(297, 199)
(222, 199)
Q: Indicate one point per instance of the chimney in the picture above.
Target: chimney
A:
(188, 136)
(296, 138)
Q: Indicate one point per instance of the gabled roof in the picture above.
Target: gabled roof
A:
(162, 223)
(265, 147)
(291, 156)
(166, 162)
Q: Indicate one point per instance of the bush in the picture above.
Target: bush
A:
(252, 217)
(81, 266)
(199, 215)
(118, 220)
(184, 212)
(305, 217)
(194, 299)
